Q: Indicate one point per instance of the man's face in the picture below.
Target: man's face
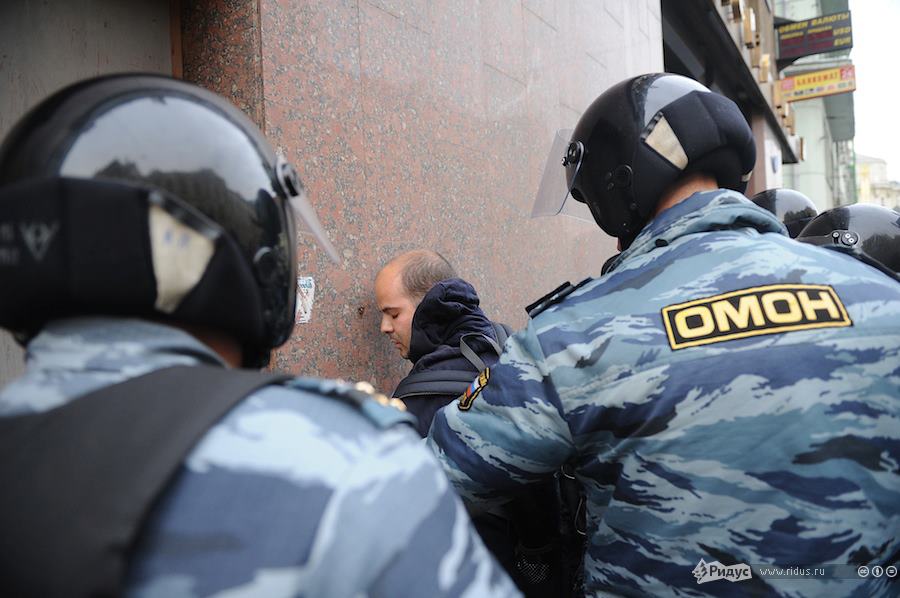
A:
(397, 309)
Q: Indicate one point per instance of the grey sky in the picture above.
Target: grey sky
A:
(876, 54)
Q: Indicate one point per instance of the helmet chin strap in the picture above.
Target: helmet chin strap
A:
(677, 192)
(255, 358)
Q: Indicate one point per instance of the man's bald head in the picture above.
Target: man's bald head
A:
(420, 270)
(400, 286)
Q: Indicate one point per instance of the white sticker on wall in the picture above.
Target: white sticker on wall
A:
(306, 293)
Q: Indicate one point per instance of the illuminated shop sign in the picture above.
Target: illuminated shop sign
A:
(828, 33)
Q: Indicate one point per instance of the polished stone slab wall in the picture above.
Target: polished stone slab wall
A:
(421, 123)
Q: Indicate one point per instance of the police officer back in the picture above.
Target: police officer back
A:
(728, 397)
(148, 229)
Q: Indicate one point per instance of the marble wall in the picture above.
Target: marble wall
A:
(421, 123)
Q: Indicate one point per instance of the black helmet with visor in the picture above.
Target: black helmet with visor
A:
(641, 135)
(148, 196)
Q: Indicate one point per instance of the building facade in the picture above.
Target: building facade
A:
(427, 123)
(873, 185)
(729, 45)
(414, 123)
(827, 173)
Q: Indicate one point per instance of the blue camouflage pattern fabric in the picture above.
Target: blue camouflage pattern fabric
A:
(779, 448)
(291, 494)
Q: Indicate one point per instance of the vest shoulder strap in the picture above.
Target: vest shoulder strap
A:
(435, 382)
(79, 480)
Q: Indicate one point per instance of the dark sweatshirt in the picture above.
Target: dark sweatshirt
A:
(447, 312)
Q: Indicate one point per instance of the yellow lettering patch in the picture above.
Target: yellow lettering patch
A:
(770, 309)
(466, 398)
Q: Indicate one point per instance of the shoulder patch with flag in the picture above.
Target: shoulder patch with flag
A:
(465, 400)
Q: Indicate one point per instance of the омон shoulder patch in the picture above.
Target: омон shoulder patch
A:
(768, 309)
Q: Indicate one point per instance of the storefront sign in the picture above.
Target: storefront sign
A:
(828, 33)
(816, 84)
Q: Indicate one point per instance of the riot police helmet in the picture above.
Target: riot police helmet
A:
(143, 195)
(643, 134)
(793, 208)
(871, 233)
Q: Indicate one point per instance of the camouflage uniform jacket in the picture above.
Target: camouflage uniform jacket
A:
(291, 494)
(742, 435)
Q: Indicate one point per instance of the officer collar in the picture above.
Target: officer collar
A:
(703, 211)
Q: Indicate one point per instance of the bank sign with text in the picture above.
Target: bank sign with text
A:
(816, 84)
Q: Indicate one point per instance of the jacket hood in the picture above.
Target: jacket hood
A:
(447, 311)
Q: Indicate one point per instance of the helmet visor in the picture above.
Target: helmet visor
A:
(554, 193)
(302, 214)
(307, 224)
